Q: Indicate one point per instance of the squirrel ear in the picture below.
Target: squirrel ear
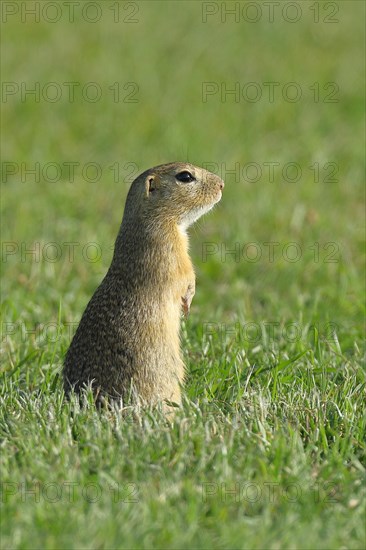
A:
(150, 184)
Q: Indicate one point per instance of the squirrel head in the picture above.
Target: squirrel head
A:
(177, 193)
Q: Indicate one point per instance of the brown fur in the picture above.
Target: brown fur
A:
(128, 337)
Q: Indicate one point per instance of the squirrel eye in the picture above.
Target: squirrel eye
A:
(185, 177)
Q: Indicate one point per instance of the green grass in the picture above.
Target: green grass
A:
(269, 448)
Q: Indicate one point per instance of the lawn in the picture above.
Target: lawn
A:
(268, 451)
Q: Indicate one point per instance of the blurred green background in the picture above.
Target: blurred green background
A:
(163, 55)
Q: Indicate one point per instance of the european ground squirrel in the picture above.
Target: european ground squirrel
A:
(128, 340)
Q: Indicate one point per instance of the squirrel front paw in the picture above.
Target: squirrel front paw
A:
(187, 298)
